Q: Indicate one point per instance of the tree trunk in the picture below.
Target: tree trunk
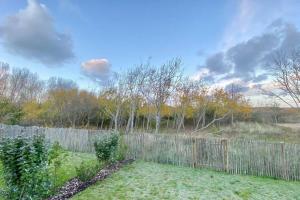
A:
(199, 120)
(128, 125)
(130, 122)
(111, 123)
(174, 121)
(143, 123)
(102, 121)
(157, 120)
(132, 118)
(116, 119)
(168, 122)
(181, 123)
(204, 119)
(148, 122)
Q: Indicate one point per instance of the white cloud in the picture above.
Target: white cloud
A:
(250, 60)
(252, 16)
(98, 69)
(240, 24)
(201, 73)
(31, 33)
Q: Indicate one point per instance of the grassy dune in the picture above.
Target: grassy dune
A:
(256, 131)
(143, 180)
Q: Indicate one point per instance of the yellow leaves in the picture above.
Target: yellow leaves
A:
(32, 110)
(145, 110)
(218, 102)
(189, 111)
(107, 103)
(166, 110)
(223, 102)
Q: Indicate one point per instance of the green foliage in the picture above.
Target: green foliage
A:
(9, 113)
(87, 170)
(55, 158)
(25, 167)
(55, 152)
(106, 147)
(122, 149)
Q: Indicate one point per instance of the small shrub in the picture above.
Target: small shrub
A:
(25, 167)
(122, 149)
(87, 170)
(106, 147)
(55, 159)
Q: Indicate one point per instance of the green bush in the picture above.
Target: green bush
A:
(122, 149)
(25, 167)
(55, 158)
(87, 170)
(9, 112)
(106, 147)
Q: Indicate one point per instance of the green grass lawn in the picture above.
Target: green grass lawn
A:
(67, 170)
(69, 164)
(144, 180)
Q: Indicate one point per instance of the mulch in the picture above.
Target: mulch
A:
(75, 186)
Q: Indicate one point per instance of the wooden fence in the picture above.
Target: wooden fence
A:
(80, 140)
(260, 158)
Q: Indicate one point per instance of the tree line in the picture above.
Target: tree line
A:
(143, 97)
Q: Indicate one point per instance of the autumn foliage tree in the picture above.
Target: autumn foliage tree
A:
(145, 97)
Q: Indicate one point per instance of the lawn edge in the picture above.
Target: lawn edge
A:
(74, 186)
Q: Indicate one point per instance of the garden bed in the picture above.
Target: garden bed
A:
(75, 186)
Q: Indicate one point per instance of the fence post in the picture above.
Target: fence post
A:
(224, 144)
(194, 152)
(143, 146)
(284, 171)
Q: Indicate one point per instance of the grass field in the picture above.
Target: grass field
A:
(283, 132)
(143, 180)
(68, 168)
(256, 131)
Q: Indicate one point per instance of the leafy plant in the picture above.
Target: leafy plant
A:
(106, 147)
(25, 167)
(122, 149)
(55, 158)
(87, 170)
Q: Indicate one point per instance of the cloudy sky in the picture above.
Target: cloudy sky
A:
(221, 41)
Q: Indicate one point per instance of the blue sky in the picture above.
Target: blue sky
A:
(216, 40)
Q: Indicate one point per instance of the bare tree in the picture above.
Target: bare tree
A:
(24, 86)
(63, 95)
(115, 91)
(159, 85)
(56, 83)
(275, 110)
(4, 75)
(234, 93)
(286, 72)
(186, 92)
(33, 89)
(134, 79)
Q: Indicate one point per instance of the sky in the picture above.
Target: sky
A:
(220, 41)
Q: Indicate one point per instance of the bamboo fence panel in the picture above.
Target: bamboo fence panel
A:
(259, 158)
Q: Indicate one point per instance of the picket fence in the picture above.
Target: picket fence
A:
(260, 158)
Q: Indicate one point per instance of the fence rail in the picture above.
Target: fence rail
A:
(260, 158)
